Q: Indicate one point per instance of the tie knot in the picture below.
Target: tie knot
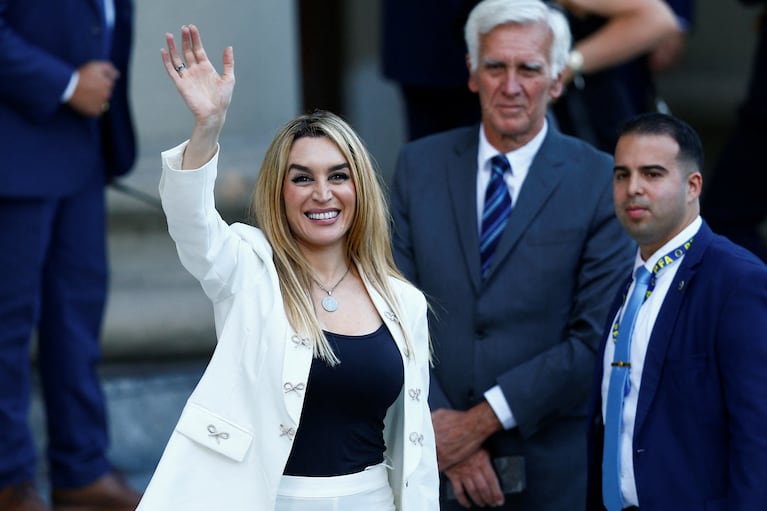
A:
(642, 276)
(500, 164)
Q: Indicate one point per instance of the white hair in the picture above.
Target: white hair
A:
(489, 14)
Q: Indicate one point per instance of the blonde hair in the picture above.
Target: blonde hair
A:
(368, 239)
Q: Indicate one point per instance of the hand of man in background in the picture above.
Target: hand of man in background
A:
(475, 479)
(460, 434)
(94, 88)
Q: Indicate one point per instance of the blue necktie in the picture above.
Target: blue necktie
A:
(616, 391)
(496, 210)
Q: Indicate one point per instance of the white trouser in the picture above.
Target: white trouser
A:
(368, 490)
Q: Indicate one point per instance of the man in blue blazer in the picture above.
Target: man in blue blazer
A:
(66, 131)
(688, 431)
(515, 330)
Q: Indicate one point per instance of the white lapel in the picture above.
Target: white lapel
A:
(390, 319)
(296, 363)
(411, 420)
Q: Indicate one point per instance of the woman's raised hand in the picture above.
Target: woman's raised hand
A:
(206, 93)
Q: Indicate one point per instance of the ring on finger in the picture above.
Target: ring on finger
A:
(180, 67)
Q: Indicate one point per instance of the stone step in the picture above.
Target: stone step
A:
(144, 402)
(155, 309)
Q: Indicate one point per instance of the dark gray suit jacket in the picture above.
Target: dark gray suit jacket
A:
(534, 324)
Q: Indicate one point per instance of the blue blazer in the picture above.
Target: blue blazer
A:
(700, 438)
(47, 148)
(533, 325)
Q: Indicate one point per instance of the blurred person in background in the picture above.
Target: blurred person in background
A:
(66, 132)
(735, 201)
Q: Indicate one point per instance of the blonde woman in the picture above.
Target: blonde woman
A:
(316, 395)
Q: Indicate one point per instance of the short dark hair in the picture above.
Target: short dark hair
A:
(654, 123)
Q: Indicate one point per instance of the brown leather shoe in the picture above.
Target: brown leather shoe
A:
(21, 497)
(108, 493)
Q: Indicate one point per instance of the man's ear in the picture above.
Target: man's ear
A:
(557, 86)
(694, 186)
(473, 86)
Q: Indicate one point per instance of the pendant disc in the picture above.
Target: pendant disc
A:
(329, 304)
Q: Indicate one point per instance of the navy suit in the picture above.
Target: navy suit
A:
(699, 436)
(533, 324)
(53, 269)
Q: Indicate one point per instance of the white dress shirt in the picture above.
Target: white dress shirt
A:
(640, 339)
(520, 160)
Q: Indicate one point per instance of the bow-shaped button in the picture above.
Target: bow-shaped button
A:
(391, 316)
(415, 394)
(301, 342)
(416, 438)
(212, 431)
(288, 432)
(289, 387)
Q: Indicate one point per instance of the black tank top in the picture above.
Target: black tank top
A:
(341, 428)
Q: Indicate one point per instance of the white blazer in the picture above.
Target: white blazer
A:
(231, 444)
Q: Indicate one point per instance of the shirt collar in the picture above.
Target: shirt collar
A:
(520, 158)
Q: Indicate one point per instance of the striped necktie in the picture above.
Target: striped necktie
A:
(496, 210)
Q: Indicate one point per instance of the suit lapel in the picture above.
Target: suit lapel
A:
(296, 364)
(462, 184)
(390, 319)
(665, 324)
(396, 328)
(542, 179)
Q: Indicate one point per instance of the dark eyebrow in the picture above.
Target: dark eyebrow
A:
(654, 166)
(302, 168)
(643, 168)
(296, 166)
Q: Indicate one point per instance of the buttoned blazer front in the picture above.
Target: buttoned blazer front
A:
(699, 434)
(48, 149)
(233, 439)
(534, 323)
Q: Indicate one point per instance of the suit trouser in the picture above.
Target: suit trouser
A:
(53, 277)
